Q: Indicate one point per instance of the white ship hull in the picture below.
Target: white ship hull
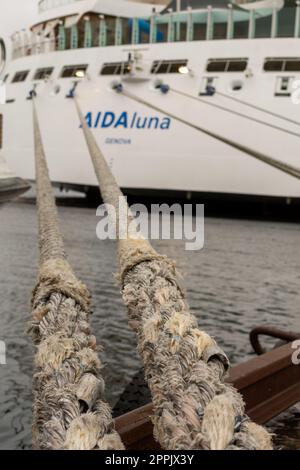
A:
(10, 185)
(173, 156)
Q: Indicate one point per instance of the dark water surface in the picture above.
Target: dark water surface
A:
(247, 274)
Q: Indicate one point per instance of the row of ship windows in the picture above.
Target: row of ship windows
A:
(164, 66)
(288, 64)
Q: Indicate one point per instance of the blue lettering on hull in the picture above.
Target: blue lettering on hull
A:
(125, 120)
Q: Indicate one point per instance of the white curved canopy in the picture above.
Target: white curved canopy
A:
(152, 2)
(124, 8)
(260, 4)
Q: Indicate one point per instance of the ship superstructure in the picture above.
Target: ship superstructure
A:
(231, 69)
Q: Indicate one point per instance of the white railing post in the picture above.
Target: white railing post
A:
(252, 24)
(102, 33)
(135, 31)
(33, 43)
(26, 48)
(178, 9)
(16, 45)
(42, 44)
(74, 36)
(118, 32)
(229, 33)
(22, 45)
(209, 24)
(190, 25)
(38, 44)
(171, 29)
(297, 20)
(274, 27)
(52, 40)
(153, 28)
(88, 33)
(61, 38)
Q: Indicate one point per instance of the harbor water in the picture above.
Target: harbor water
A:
(247, 274)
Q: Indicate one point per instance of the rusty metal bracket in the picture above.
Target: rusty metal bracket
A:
(271, 331)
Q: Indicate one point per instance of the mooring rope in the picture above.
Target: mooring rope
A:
(257, 108)
(193, 406)
(236, 113)
(69, 411)
(284, 167)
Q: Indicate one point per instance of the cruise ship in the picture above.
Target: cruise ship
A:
(11, 186)
(183, 97)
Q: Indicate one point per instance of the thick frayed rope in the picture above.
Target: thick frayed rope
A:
(193, 406)
(69, 410)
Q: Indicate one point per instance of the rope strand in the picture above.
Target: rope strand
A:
(236, 113)
(284, 167)
(69, 410)
(258, 108)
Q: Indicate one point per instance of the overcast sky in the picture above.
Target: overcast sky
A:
(15, 14)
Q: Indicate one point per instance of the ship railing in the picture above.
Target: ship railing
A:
(189, 25)
(39, 46)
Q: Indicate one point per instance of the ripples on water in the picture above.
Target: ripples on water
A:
(247, 274)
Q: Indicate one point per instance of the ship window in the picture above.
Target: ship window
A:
(42, 74)
(273, 65)
(20, 76)
(168, 66)
(282, 65)
(74, 71)
(237, 66)
(227, 65)
(216, 66)
(115, 68)
(160, 67)
(175, 66)
(292, 66)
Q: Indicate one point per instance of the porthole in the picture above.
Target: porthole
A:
(55, 90)
(236, 85)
